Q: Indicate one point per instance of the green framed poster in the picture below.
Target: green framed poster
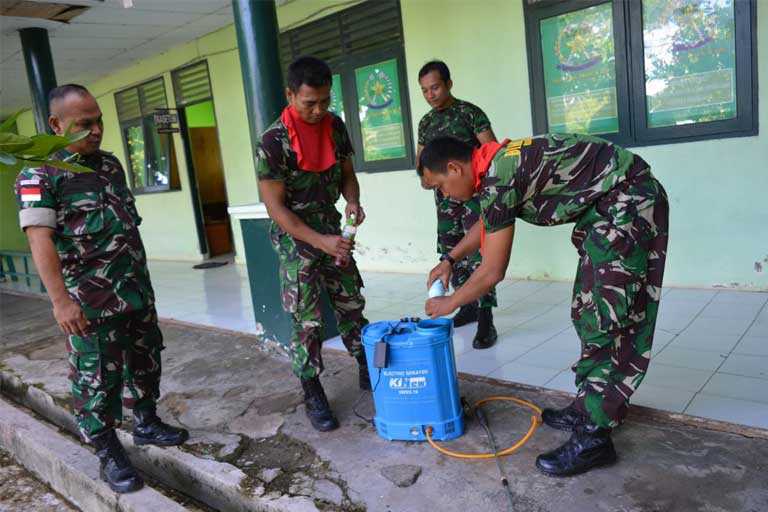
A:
(580, 71)
(337, 98)
(690, 61)
(380, 111)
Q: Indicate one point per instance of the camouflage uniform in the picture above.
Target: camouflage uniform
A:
(464, 121)
(621, 218)
(304, 270)
(104, 267)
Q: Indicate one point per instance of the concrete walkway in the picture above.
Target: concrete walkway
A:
(246, 413)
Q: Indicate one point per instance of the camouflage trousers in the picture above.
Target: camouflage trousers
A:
(305, 273)
(622, 244)
(454, 220)
(120, 352)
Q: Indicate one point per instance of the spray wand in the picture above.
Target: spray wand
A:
(483, 420)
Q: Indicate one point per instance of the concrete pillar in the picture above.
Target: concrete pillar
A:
(40, 72)
(257, 33)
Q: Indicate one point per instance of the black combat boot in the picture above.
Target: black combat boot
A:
(589, 447)
(566, 418)
(316, 405)
(363, 378)
(115, 467)
(486, 332)
(148, 429)
(466, 315)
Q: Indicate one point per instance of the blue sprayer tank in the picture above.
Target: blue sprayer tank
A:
(419, 386)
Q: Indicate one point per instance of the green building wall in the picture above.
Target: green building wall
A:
(717, 188)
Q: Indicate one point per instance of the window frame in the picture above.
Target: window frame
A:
(629, 54)
(140, 121)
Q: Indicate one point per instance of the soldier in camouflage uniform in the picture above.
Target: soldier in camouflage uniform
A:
(457, 118)
(620, 212)
(83, 233)
(301, 198)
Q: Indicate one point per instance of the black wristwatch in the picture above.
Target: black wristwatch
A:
(449, 258)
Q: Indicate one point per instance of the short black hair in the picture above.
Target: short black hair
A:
(437, 153)
(436, 65)
(309, 71)
(62, 91)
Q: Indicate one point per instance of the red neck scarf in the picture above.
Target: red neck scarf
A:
(313, 143)
(481, 161)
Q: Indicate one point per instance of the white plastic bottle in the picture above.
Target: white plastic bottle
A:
(437, 289)
(348, 233)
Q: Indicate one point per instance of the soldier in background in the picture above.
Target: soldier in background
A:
(621, 216)
(457, 118)
(84, 237)
(305, 164)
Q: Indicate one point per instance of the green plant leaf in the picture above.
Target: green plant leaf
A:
(6, 126)
(74, 137)
(14, 168)
(44, 145)
(12, 143)
(7, 158)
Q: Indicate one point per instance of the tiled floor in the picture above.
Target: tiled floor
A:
(710, 354)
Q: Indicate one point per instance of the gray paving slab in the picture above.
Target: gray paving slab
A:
(222, 382)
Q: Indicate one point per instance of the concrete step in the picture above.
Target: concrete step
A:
(219, 485)
(68, 467)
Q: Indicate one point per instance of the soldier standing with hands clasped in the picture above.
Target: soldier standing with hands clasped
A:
(83, 230)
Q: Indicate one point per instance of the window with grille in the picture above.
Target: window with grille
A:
(363, 45)
(192, 84)
(151, 157)
(643, 72)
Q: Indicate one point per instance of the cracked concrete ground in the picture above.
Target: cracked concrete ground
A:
(244, 407)
(21, 491)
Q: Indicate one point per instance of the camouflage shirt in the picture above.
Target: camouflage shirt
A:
(96, 233)
(551, 179)
(462, 120)
(311, 196)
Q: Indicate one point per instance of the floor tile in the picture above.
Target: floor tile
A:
(555, 293)
(690, 294)
(757, 330)
(476, 363)
(736, 386)
(690, 358)
(719, 326)
(520, 336)
(516, 372)
(728, 409)
(752, 346)
(749, 366)
(547, 358)
(731, 309)
(673, 400)
(711, 343)
(563, 381)
(462, 338)
(758, 298)
(518, 313)
(567, 341)
(518, 291)
(673, 377)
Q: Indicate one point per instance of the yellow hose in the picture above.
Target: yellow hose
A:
(535, 422)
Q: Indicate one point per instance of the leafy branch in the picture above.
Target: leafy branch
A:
(18, 151)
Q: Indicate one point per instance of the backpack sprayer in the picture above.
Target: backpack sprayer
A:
(416, 392)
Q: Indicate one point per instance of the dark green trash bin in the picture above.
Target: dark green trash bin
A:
(263, 275)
